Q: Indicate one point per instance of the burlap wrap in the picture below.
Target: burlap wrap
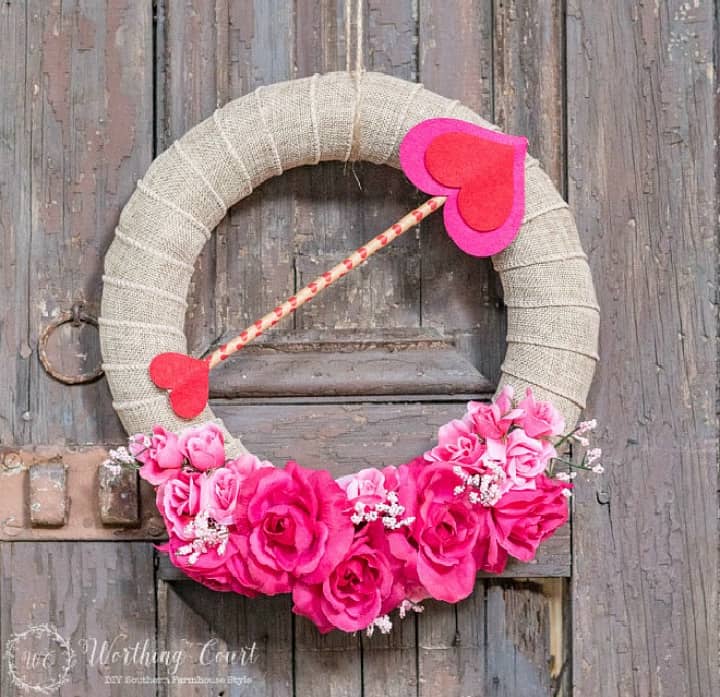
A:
(552, 309)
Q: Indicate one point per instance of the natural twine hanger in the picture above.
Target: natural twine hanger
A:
(354, 64)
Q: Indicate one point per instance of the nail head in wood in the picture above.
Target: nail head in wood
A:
(48, 494)
(118, 494)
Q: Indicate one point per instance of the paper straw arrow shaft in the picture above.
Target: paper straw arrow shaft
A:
(325, 280)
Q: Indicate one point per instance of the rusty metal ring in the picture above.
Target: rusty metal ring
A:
(77, 316)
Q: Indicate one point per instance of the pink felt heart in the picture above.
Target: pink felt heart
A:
(481, 172)
(187, 380)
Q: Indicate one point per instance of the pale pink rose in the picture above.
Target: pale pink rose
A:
(178, 500)
(526, 458)
(540, 419)
(368, 485)
(221, 487)
(204, 446)
(519, 522)
(362, 587)
(161, 459)
(291, 523)
(492, 420)
(457, 444)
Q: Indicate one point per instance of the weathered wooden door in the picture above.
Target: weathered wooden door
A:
(617, 102)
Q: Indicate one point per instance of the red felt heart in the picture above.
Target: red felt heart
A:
(186, 378)
(483, 171)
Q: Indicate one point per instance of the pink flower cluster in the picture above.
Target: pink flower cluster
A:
(352, 550)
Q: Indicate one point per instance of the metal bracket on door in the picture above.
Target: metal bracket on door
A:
(53, 493)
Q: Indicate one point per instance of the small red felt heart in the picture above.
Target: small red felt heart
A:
(481, 169)
(186, 378)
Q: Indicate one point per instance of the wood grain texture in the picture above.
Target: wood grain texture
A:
(340, 205)
(460, 294)
(641, 133)
(77, 133)
(389, 362)
(100, 599)
(231, 645)
(529, 78)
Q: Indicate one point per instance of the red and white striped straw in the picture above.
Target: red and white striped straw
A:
(325, 280)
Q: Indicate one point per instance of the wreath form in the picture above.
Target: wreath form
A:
(553, 314)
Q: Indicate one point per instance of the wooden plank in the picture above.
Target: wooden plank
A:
(529, 79)
(350, 364)
(642, 142)
(255, 263)
(15, 224)
(98, 597)
(88, 92)
(339, 205)
(389, 661)
(452, 647)
(230, 644)
(456, 59)
(518, 653)
(552, 561)
(499, 43)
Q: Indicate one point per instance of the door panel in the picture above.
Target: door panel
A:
(362, 376)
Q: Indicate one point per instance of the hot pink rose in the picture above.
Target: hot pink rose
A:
(540, 419)
(221, 487)
(400, 541)
(519, 522)
(161, 459)
(204, 446)
(526, 458)
(178, 499)
(211, 567)
(291, 523)
(444, 534)
(492, 420)
(360, 588)
(370, 486)
(457, 444)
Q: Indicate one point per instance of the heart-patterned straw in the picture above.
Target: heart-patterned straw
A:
(325, 280)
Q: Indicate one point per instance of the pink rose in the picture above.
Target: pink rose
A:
(370, 486)
(526, 458)
(359, 589)
(291, 523)
(161, 459)
(178, 500)
(210, 568)
(457, 444)
(221, 487)
(519, 522)
(492, 420)
(204, 446)
(540, 419)
(400, 541)
(444, 534)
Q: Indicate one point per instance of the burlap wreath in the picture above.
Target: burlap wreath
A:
(552, 310)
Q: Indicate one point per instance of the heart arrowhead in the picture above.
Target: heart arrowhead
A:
(482, 174)
(186, 378)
